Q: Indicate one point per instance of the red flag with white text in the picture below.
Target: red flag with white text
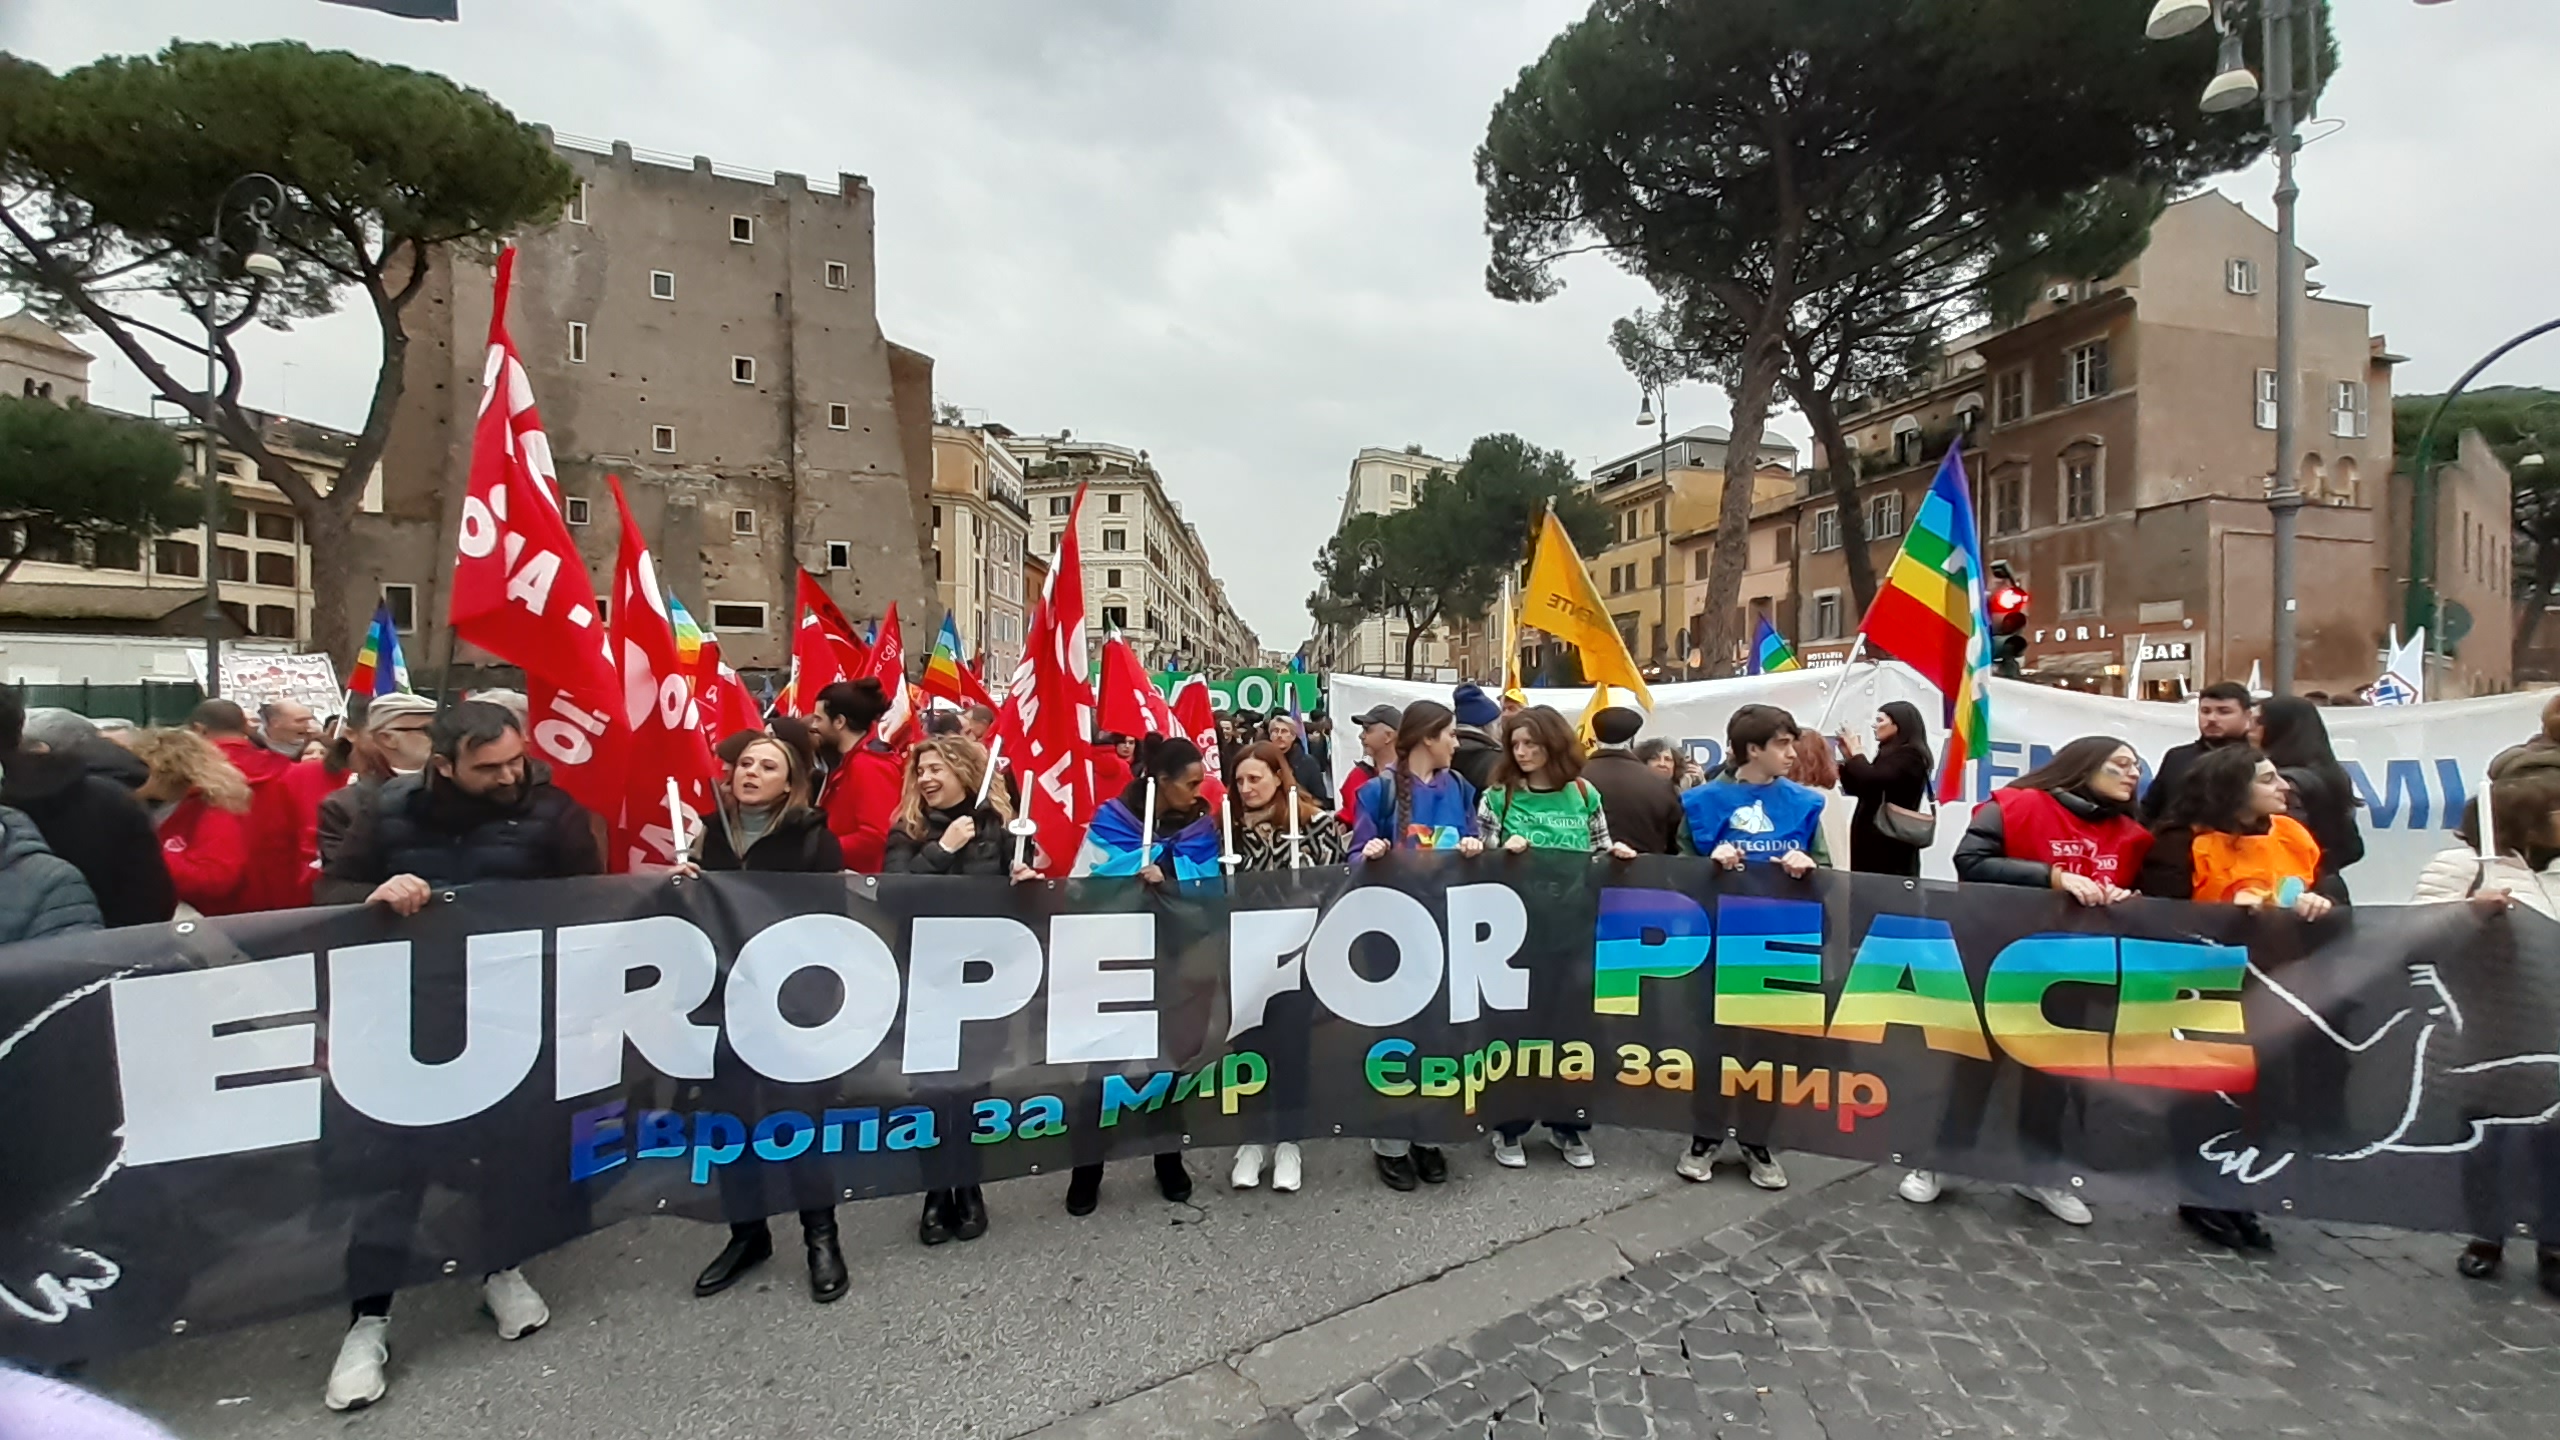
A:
(1126, 702)
(723, 700)
(1194, 719)
(889, 667)
(665, 726)
(521, 590)
(824, 648)
(1048, 711)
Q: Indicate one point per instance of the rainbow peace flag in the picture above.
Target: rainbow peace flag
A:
(688, 637)
(1770, 653)
(942, 673)
(1929, 614)
(379, 670)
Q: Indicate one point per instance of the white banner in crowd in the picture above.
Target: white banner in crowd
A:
(2412, 766)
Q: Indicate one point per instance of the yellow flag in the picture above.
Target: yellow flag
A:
(1561, 600)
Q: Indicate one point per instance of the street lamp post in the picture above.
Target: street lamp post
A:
(260, 265)
(1659, 416)
(1372, 552)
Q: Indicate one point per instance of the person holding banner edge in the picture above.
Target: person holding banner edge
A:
(1159, 824)
(764, 824)
(1421, 803)
(476, 813)
(951, 820)
(1753, 813)
(2067, 825)
(1539, 801)
(1278, 826)
(2524, 814)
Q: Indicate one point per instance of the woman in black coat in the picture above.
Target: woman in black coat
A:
(765, 824)
(2289, 729)
(941, 829)
(1899, 775)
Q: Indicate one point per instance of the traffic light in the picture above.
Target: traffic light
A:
(2008, 603)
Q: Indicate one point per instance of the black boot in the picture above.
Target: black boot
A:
(934, 1226)
(827, 1280)
(2214, 1225)
(1397, 1171)
(1173, 1178)
(968, 1213)
(1084, 1190)
(1430, 1164)
(2482, 1260)
(2546, 1266)
(749, 1246)
(2252, 1235)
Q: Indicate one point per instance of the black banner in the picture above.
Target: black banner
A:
(218, 1122)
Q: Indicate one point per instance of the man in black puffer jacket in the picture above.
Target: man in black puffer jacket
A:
(477, 812)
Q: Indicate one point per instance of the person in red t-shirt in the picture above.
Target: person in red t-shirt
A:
(197, 801)
(284, 808)
(863, 776)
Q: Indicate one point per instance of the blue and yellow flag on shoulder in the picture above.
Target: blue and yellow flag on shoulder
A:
(1770, 652)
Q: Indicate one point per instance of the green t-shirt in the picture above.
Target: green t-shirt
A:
(1566, 819)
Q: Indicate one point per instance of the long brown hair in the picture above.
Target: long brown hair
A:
(1553, 734)
(968, 762)
(1422, 720)
(1271, 757)
(195, 762)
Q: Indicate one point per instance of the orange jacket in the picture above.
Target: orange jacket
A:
(2226, 864)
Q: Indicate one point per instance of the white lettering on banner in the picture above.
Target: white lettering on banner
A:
(1487, 926)
(1082, 981)
(597, 1010)
(779, 1048)
(941, 997)
(171, 1065)
(1266, 958)
(373, 1060)
(2413, 766)
(1407, 924)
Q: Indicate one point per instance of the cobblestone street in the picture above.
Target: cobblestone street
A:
(1852, 1315)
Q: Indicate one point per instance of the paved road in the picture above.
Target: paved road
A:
(1847, 1314)
(1045, 1317)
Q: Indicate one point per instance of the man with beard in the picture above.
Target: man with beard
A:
(2222, 718)
(475, 813)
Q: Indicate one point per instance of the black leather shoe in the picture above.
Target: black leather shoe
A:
(2214, 1225)
(1172, 1178)
(2482, 1260)
(1084, 1190)
(2251, 1233)
(2546, 1265)
(968, 1213)
(827, 1280)
(1430, 1164)
(934, 1226)
(1397, 1171)
(749, 1246)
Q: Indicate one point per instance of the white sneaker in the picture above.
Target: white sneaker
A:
(1284, 1167)
(514, 1304)
(1766, 1172)
(2066, 1207)
(1575, 1149)
(1248, 1171)
(1699, 1164)
(359, 1377)
(1920, 1186)
(1507, 1152)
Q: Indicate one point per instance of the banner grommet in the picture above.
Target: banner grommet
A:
(177, 1327)
(453, 1267)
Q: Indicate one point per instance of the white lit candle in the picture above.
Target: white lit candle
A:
(987, 782)
(1147, 828)
(1289, 798)
(1227, 827)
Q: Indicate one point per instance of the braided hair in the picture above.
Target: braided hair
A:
(1423, 720)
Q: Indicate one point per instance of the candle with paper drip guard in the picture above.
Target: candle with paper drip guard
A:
(1289, 798)
(1227, 828)
(1147, 828)
(1022, 829)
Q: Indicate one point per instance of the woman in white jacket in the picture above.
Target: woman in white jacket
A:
(2525, 812)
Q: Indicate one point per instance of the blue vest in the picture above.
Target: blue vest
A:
(1764, 822)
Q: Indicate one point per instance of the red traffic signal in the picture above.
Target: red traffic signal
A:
(2008, 605)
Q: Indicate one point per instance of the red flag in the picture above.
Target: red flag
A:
(1194, 719)
(1127, 702)
(520, 590)
(1048, 710)
(824, 648)
(889, 667)
(725, 703)
(665, 740)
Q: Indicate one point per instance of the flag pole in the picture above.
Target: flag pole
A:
(2133, 682)
(1832, 702)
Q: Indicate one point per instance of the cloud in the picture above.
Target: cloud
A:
(1248, 238)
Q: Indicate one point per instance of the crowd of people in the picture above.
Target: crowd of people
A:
(104, 824)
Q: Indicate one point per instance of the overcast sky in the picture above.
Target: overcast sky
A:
(1248, 238)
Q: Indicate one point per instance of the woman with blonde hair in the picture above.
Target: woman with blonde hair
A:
(199, 804)
(764, 823)
(939, 828)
